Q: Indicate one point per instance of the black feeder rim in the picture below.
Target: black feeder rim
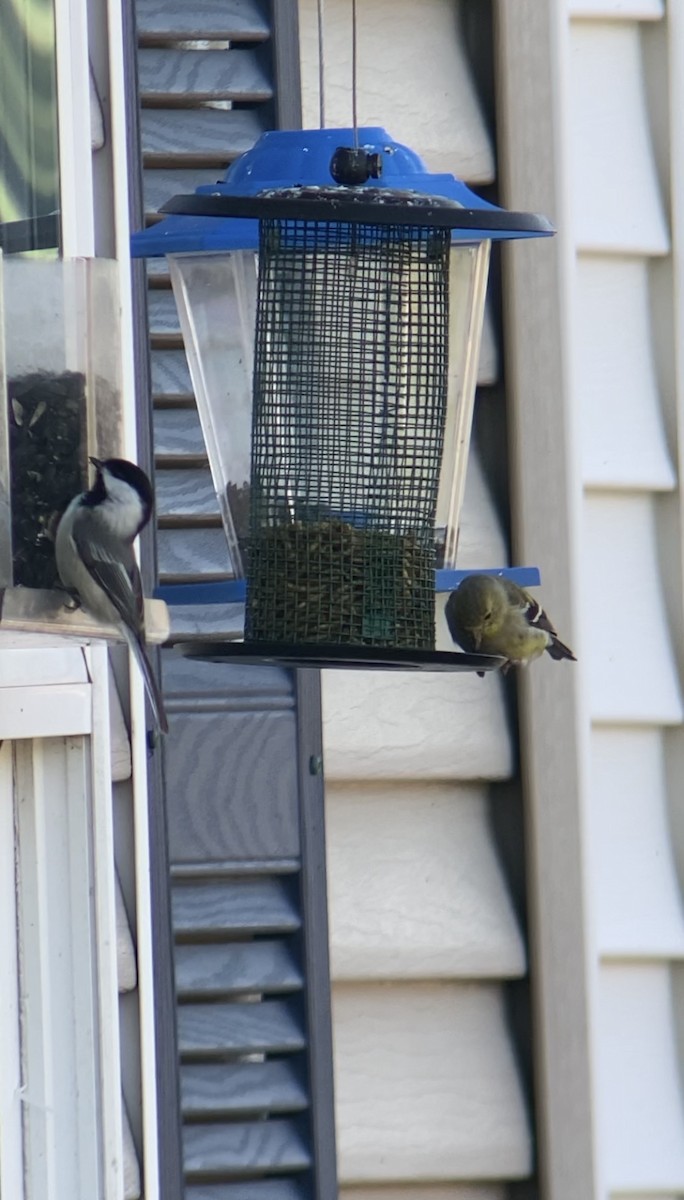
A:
(363, 205)
(348, 658)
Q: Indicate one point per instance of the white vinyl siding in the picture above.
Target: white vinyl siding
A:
(621, 165)
(609, 74)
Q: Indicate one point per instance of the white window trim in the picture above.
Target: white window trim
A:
(11, 1135)
(74, 126)
(35, 1159)
(122, 174)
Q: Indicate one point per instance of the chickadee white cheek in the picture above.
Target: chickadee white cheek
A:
(122, 508)
(123, 519)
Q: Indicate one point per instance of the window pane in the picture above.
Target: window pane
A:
(29, 164)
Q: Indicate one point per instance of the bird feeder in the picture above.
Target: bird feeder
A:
(60, 362)
(331, 297)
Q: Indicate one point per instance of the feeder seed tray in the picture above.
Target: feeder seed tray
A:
(322, 657)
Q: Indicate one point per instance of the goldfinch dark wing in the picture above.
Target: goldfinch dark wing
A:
(538, 618)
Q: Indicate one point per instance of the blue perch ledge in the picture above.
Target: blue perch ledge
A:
(232, 591)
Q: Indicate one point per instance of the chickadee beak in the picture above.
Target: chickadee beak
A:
(96, 463)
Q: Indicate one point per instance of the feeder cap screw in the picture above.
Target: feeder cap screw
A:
(353, 165)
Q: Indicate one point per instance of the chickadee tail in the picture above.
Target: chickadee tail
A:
(150, 681)
(557, 649)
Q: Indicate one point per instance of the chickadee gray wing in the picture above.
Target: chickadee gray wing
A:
(112, 565)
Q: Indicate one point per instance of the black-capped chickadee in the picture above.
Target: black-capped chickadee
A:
(95, 560)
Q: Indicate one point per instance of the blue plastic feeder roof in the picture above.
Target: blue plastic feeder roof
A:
(224, 215)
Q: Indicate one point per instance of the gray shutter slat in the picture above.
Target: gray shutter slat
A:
(229, 1089)
(173, 135)
(248, 809)
(157, 271)
(182, 493)
(220, 970)
(171, 20)
(188, 76)
(256, 689)
(187, 554)
(234, 906)
(170, 374)
(243, 1149)
(263, 1189)
(271, 1027)
(163, 314)
(177, 431)
(159, 184)
(216, 622)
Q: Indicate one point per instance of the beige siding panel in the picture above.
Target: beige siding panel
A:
(415, 887)
(617, 10)
(634, 880)
(454, 1191)
(623, 435)
(387, 725)
(616, 199)
(631, 672)
(423, 58)
(125, 951)
(131, 1180)
(637, 900)
(120, 748)
(488, 370)
(426, 1085)
(640, 1117)
(481, 542)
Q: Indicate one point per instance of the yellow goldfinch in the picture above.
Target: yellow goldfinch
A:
(488, 615)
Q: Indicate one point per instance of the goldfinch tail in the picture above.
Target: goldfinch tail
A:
(557, 649)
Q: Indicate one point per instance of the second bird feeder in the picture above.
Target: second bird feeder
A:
(335, 387)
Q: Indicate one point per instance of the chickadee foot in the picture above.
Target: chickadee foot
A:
(72, 600)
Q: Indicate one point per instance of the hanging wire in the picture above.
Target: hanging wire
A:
(321, 68)
(355, 119)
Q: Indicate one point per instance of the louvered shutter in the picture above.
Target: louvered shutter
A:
(244, 813)
(248, 1005)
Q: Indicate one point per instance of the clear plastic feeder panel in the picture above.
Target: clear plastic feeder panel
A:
(468, 273)
(216, 299)
(62, 381)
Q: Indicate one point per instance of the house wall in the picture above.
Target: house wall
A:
(594, 88)
(625, 157)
